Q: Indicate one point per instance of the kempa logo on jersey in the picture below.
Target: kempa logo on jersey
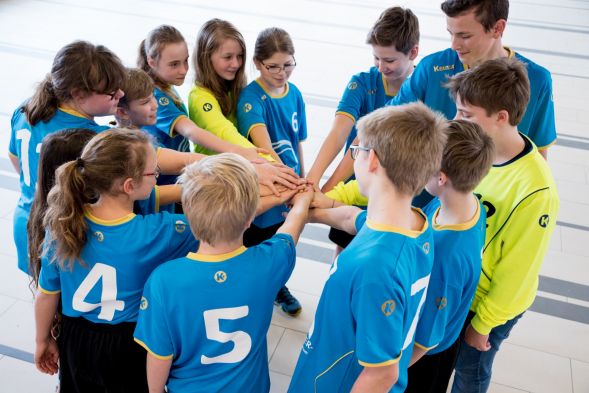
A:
(99, 236)
(443, 68)
(207, 107)
(180, 226)
(426, 247)
(352, 85)
(388, 307)
(247, 107)
(220, 276)
(144, 303)
(441, 302)
(544, 220)
(164, 101)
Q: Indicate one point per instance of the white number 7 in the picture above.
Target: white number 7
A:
(241, 340)
(417, 286)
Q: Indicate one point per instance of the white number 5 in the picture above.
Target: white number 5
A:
(241, 340)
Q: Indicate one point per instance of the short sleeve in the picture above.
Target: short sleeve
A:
(360, 220)
(283, 256)
(168, 114)
(250, 113)
(302, 119)
(438, 306)
(12, 145)
(353, 98)
(378, 308)
(542, 128)
(151, 331)
(49, 279)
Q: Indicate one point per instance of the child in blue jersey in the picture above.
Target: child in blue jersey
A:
(362, 336)
(62, 100)
(271, 113)
(522, 203)
(213, 339)
(97, 257)
(394, 40)
(457, 218)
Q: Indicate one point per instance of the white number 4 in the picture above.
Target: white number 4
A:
(242, 342)
(108, 298)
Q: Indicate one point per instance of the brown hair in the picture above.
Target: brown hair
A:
(220, 195)
(498, 84)
(487, 12)
(396, 26)
(112, 155)
(468, 155)
(152, 47)
(57, 148)
(272, 40)
(408, 141)
(79, 65)
(137, 85)
(210, 38)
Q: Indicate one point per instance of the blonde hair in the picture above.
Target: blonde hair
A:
(408, 141)
(112, 155)
(137, 85)
(210, 38)
(468, 155)
(220, 195)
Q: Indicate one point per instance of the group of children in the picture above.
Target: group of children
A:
(124, 251)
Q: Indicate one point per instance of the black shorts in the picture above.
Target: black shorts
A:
(341, 238)
(255, 235)
(96, 357)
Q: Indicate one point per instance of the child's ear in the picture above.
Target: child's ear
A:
(499, 28)
(121, 113)
(151, 62)
(129, 186)
(502, 116)
(414, 52)
(373, 162)
(78, 94)
(442, 179)
(257, 64)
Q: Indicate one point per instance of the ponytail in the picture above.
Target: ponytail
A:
(142, 58)
(43, 104)
(65, 213)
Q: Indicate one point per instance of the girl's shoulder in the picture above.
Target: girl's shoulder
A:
(201, 93)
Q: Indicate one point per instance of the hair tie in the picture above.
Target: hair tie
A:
(79, 162)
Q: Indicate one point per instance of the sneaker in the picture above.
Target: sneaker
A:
(288, 302)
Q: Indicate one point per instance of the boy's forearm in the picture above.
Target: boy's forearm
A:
(172, 162)
(418, 353)
(343, 217)
(158, 371)
(376, 379)
(344, 170)
(295, 220)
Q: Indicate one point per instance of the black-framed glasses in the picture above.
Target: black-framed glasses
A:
(155, 173)
(275, 68)
(355, 149)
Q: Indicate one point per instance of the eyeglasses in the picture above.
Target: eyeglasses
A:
(112, 94)
(355, 149)
(275, 68)
(155, 173)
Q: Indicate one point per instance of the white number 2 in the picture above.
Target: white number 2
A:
(108, 298)
(417, 286)
(242, 342)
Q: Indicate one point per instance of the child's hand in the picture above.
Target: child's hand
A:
(321, 201)
(303, 198)
(252, 153)
(270, 173)
(47, 356)
(476, 340)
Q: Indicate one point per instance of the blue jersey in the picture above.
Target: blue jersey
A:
(285, 119)
(458, 251)
(213, 320)
(118, 257)
(372, 299)
(426, 84)
(366, 92)
(25, 144)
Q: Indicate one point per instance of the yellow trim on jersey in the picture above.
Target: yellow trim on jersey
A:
(157, 198)
(330, 367)
(73, 112)
(157, 152)
(385, 85)
(382, 364)
(510, 55)
(424, 347)
(457, 227)
(173, 126)
(254, 126)
(116, 221)
(286, 90)
(45, 291)
(347, 115)
(547, 146)
(155, 355)
(13, 155)
(217, 257)
(391, 228)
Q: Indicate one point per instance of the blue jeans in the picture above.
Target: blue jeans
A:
(473, 367)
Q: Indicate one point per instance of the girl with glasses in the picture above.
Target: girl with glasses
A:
(97, 257)
(64, 99)
(271, 113)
